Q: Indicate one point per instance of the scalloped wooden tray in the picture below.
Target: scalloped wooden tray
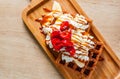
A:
(107, 69)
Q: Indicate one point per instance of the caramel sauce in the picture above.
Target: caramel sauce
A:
(71, 26)
(53, 21)
(46, 9)
(38, 20)
(45, 19)
(82, 22)
(85, 33)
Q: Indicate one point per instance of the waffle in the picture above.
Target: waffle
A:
(69, 41)
(85, 72)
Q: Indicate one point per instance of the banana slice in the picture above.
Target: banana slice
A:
(80, 64)
(56, 7)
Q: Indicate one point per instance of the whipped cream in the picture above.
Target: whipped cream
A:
(82, 41)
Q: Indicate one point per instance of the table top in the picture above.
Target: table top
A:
(21, 57)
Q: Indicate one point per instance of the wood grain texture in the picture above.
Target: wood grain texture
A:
(21, 57)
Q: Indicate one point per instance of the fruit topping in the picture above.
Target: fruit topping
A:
(64, 26)
(62, 38)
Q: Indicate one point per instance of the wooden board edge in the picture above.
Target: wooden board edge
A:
(106, 45)
(110, 51)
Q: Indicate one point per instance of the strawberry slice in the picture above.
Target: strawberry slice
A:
(71, 50)
(67, 43)
(56, 43)
(65, 35)
(58, 47)
(55, 34)
(64, 26)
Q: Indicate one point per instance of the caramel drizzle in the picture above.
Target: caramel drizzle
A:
(46, 9)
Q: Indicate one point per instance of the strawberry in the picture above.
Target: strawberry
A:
(56, 43)
(65, 35)
(71, 50)
(67, 43)
(64, 26)
(55, 34)
(62, 38)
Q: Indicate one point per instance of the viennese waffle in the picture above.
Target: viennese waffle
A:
(69, 41)
(86, 71)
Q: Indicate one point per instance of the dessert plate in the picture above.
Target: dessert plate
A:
(107, 69)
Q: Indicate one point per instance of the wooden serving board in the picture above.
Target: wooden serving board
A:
(107, 69)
